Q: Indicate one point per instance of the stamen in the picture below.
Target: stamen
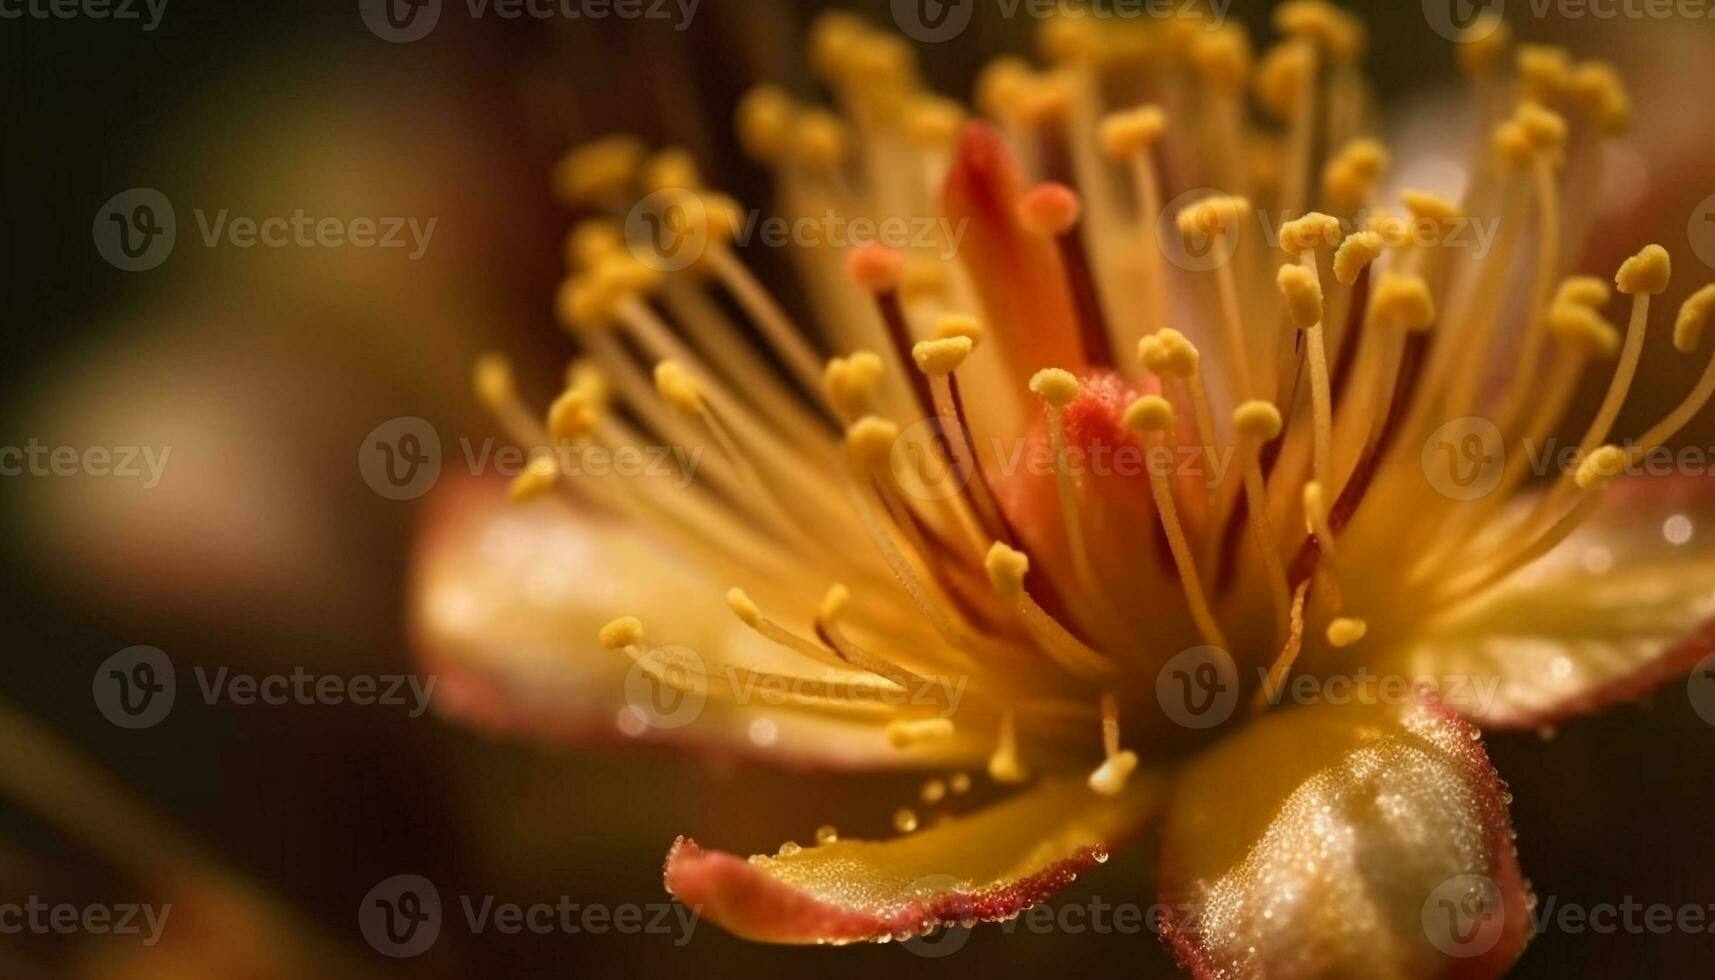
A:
(1052, 211)
(1153, 415)
(1005, 765)
(1288, 654)
(1007, 567)
(1057, 389)
(1260, 423)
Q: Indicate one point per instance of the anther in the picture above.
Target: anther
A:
(1693, 316)
(952, 325)
(1345, 631)
(1006, 568)
(1169, 354)
(1129, 132)
(938, 358)
(621, 633)
(875, 268)
(1355, 253)
(1056, 386)
(1258, 419)
(678, 388)
(1646, 272)
(1303, 295)
(538, 478)
(1600, 467)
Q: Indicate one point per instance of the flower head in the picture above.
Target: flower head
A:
(1155, 398)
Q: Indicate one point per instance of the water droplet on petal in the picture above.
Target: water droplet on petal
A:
(788, 849)
(826, 834)
(1100, 854)
(905, 821)
(959, 782)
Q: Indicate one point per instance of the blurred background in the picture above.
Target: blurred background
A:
(262, 549)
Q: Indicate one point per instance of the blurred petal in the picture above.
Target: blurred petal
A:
(986, 866)
(1324, 841)
(1624, 605)
(506, 604)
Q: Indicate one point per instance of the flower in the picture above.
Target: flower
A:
(1163, 472)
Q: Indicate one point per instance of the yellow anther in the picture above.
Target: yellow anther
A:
(1169, 354)
(833, 603)
(1110, 777)
(621, 633)
(1006, 567)
(1512, 144)
(1582, 327)
(932, 121)
(591, 241)
(764, 123)
(832, 38)
(1055, 386)
(1312, 231)
(493, 377)
(1355, 253)
(743, 606)
(571, 416)
(963, 325)
(998, 86)
(1213, 215)
(1600, 91)
(671, 168)
(1070, 40)
(1545, 128)
(1303, 295)
(941, 357)
(620, 275)
(538, 478)
(851, 382)
(582, 304)
(1584, 291)
(1006, 768)
(906, 733)
(587, 379)
(1430, 207)
(1132, 131)
(870, 440)
(1345, 631)
(1151, 413)
(1315, 504)
(922, 278)
(1366, 157)
(1646, 272)
(1544, 70)
(595, 172)
(678, 388)
(1688, 329)
(1600, 467)
(1258, 419)
(1403, 301)
(1321, 22)
(1222, 58)
(1045, 98)
(820, 139)
(1482, 44)
(1282, 74)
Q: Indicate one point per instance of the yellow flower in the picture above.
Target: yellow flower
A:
(1145, 457)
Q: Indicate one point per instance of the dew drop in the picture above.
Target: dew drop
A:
(1100, 854)
(826, 834)
(960, 782)
(905, 821)
(788, 849)
(934, 791)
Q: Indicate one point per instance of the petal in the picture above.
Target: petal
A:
(1625, 604)
(1323, 842)
(506, 604)
(986, 866)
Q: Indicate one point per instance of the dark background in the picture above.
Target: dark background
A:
(248, 105)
